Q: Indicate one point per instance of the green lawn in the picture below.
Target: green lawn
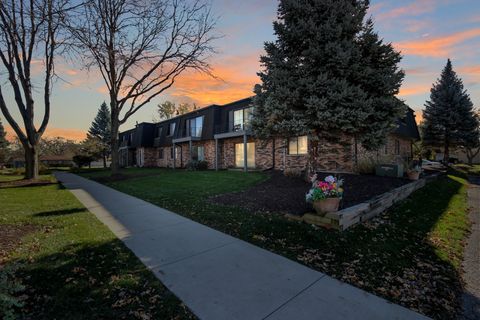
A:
(72, 266)
(411, 255)
(469, 170)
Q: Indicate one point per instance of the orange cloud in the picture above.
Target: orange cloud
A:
(52, 132)
(413, 90)
(236, 77)
(415, 8)
(474, 70)
(436, 46)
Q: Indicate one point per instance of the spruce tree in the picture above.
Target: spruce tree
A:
(469, 133)
(327, 75)
(101, 130)
(3, 144)
(449, 116)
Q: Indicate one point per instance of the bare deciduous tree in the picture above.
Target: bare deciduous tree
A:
(30, 33)
(140, 48)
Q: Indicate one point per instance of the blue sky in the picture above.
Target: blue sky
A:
(426, 31)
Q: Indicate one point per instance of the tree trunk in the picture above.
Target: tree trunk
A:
(312, 155)
(31, 162)
(446, 151)
(104, 160)
(115, 152)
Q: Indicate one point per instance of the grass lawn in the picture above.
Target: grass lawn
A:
(411, 255)
(469, 170)
(71, 265)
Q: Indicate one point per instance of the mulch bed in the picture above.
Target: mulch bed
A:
(287, 194)
(11, 236)
(25, 183)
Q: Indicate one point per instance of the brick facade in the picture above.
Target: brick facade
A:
(397, 149)
(333, 156)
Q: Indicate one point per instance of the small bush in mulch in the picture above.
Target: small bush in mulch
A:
(285, 194)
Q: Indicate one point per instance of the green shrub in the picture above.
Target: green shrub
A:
(9, 286)
(81, 160)
(293, 173)
(195, 165)
(366, 166)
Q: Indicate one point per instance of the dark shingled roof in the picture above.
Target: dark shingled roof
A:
(216, 120)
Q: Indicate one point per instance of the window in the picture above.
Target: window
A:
(238, 120)
(177, 156)
(198, 153)
(240, 155)
(160, 153)
(397, 147)
(241, 118)
(159, 132)
(171, 129)
(195, 126)
(298, 145)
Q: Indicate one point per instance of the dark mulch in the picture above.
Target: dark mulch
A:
(11, 236)
(25, 183)
(286, 194)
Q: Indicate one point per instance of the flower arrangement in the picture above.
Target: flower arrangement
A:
(330, 187)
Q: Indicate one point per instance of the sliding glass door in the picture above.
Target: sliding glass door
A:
(239, 155)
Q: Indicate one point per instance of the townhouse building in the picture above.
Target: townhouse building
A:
(221, 136)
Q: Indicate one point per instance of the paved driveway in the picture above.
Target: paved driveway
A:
(221, 277)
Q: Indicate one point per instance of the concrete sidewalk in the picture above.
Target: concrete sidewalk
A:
(471, 262)
(221, 277)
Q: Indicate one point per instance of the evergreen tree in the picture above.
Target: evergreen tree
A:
(326, 75)
(469, 135)
(101, 130)
(449, 117)
(3, 144)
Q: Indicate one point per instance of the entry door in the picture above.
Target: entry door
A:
(239, 155)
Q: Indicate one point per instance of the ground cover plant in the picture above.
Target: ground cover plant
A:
(70, 265)
(410, 255)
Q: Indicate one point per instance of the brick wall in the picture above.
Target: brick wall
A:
(389, 152)
(333, 155)
(150, 157)
(263, 152)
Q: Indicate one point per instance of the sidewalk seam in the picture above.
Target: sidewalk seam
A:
(194, 255)
(292, 298)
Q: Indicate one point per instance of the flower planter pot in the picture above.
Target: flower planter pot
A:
(413, 175)
(326, 205)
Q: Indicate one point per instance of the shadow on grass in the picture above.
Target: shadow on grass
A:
(54, 213)
(94, 281)
(396, 256)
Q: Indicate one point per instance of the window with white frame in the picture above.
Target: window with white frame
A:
(298, 145)
(242, 118)
(196, 126)
(171, 129)
(198, 153)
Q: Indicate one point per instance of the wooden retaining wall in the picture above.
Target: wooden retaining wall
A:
(351, 216)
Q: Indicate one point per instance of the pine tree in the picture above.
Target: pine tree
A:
(469, 133)
(326, 75)
(449, 117)
(3, 144)
(101, 130)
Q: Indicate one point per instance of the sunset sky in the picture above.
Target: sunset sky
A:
(427, 32)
